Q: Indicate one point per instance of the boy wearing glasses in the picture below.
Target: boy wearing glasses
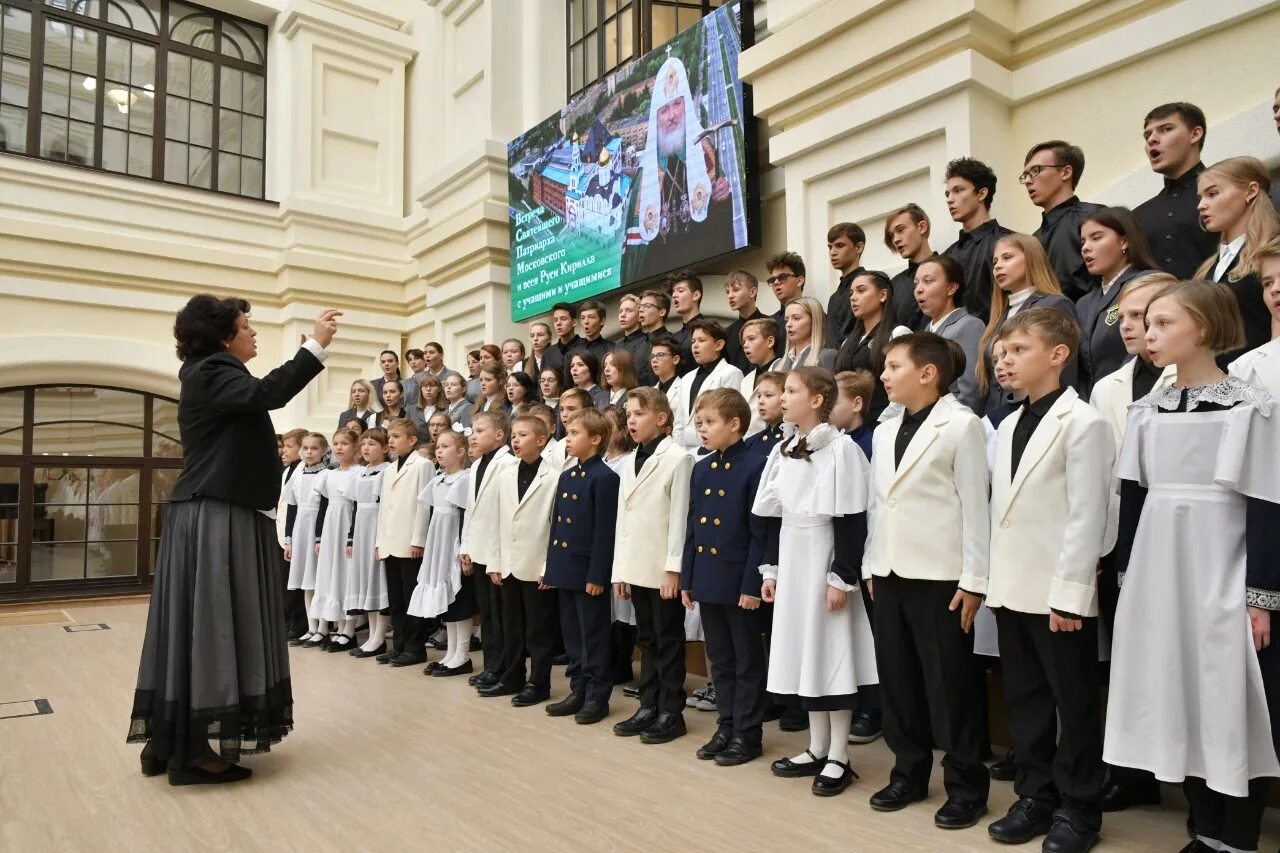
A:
(786, 280)
(664, 359)
(1050, 173)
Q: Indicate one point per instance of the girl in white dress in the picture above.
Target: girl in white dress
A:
(444, 589)
(821, 648)
(1197, 559)
(303, 505)
(367, 577)
(1261, 367)
(333, 523)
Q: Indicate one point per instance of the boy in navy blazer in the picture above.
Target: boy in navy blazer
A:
(769, 407)
(580, 565)
(723, 550)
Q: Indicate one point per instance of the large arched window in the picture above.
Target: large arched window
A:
(85, 476)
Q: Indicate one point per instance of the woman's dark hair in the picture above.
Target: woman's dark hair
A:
(526, 382)
(205, 324)
(592, 363)
(1124, 222)
(952, 272)
(879, 336)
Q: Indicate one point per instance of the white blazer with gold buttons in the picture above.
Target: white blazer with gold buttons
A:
(524, 523)
(402, 522)
(1048, 522)
(929, 517)
(653, 507)
(480, 525)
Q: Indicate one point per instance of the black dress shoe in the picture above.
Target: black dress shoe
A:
(530, 695)
(409, 659)
(432, 667)
(1026, 819)
(498, 689)
(560, 660)
(1117, 798)
(865, 728)
(631, 690)
(794, 720)
(568, 706)
(463, 668)
(476, 644)
(1069, 836)
(788, 769)
(1196, 846)
(636, 723)
(195, 775)
(152, 764)
(829, 786)
(386, 656)
(895, 796)
(955, 814)
(666, 728)
(1006, 769)
(483, 679)
(738, 752)
(593, 711)
(719, 743)
(361, 653)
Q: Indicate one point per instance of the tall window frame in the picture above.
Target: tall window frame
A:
(164, 90)
(602, 35)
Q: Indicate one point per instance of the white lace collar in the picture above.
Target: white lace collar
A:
(817, 438)
(1227, 391)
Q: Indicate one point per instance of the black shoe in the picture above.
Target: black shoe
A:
(955, 814)
(530, 695)
(593, 711)
(199, 776)
(464, 668)
(386, 656)
(409, 659)
(1026, 819)
(568, 706)
(361, 653)
(1066, 836)
(1196, 846)
(1117, 798)
(301, 639)
(432, 667)
(738, 752)
(560, 660)
(636, 723)
(317, 641)
(631, 690)
(498, 689)
(292, 634)
(152, 765)
(829, 786)
(341, 643)
(788, 769)
(895, 796)
(484, 678)
(439, 645)
(476, 645)
(666, 728)
(719, 743)
(1006, 769)
(865, 728)
(794, 720)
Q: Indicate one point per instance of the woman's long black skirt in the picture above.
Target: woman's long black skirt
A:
(215, 664)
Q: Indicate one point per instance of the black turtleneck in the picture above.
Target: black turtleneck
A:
(483, 466)
(700, 376)
(1032, 414)
(525, 475)
(644, 451)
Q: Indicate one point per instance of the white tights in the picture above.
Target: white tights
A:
(377, 630)
(828, 739)
(458, 640)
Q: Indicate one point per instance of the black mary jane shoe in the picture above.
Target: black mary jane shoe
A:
(719, 743)
(317, 641)
(739, 751)
(195, 775)
(361, 653)
(788, 769)
(341, 643)
(432, 667)
(829, 786)
(463, 668)
(301, 639)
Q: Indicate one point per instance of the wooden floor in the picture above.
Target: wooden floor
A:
(387, 758)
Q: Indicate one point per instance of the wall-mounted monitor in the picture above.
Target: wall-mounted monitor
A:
(650, 170)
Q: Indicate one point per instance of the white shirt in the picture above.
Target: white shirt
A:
(1226, 254)
(1016, 300)
(1106, 285)
(933, 327)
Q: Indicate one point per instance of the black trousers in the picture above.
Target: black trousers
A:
(931, 687)
(530, 621)
(622, 647)
(738, 667)
(660, 638)
(584, 621)
(1235, 821)
(869, 701)
(489, 601)
(402, 577)
(295, 607)
(1055, 721)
